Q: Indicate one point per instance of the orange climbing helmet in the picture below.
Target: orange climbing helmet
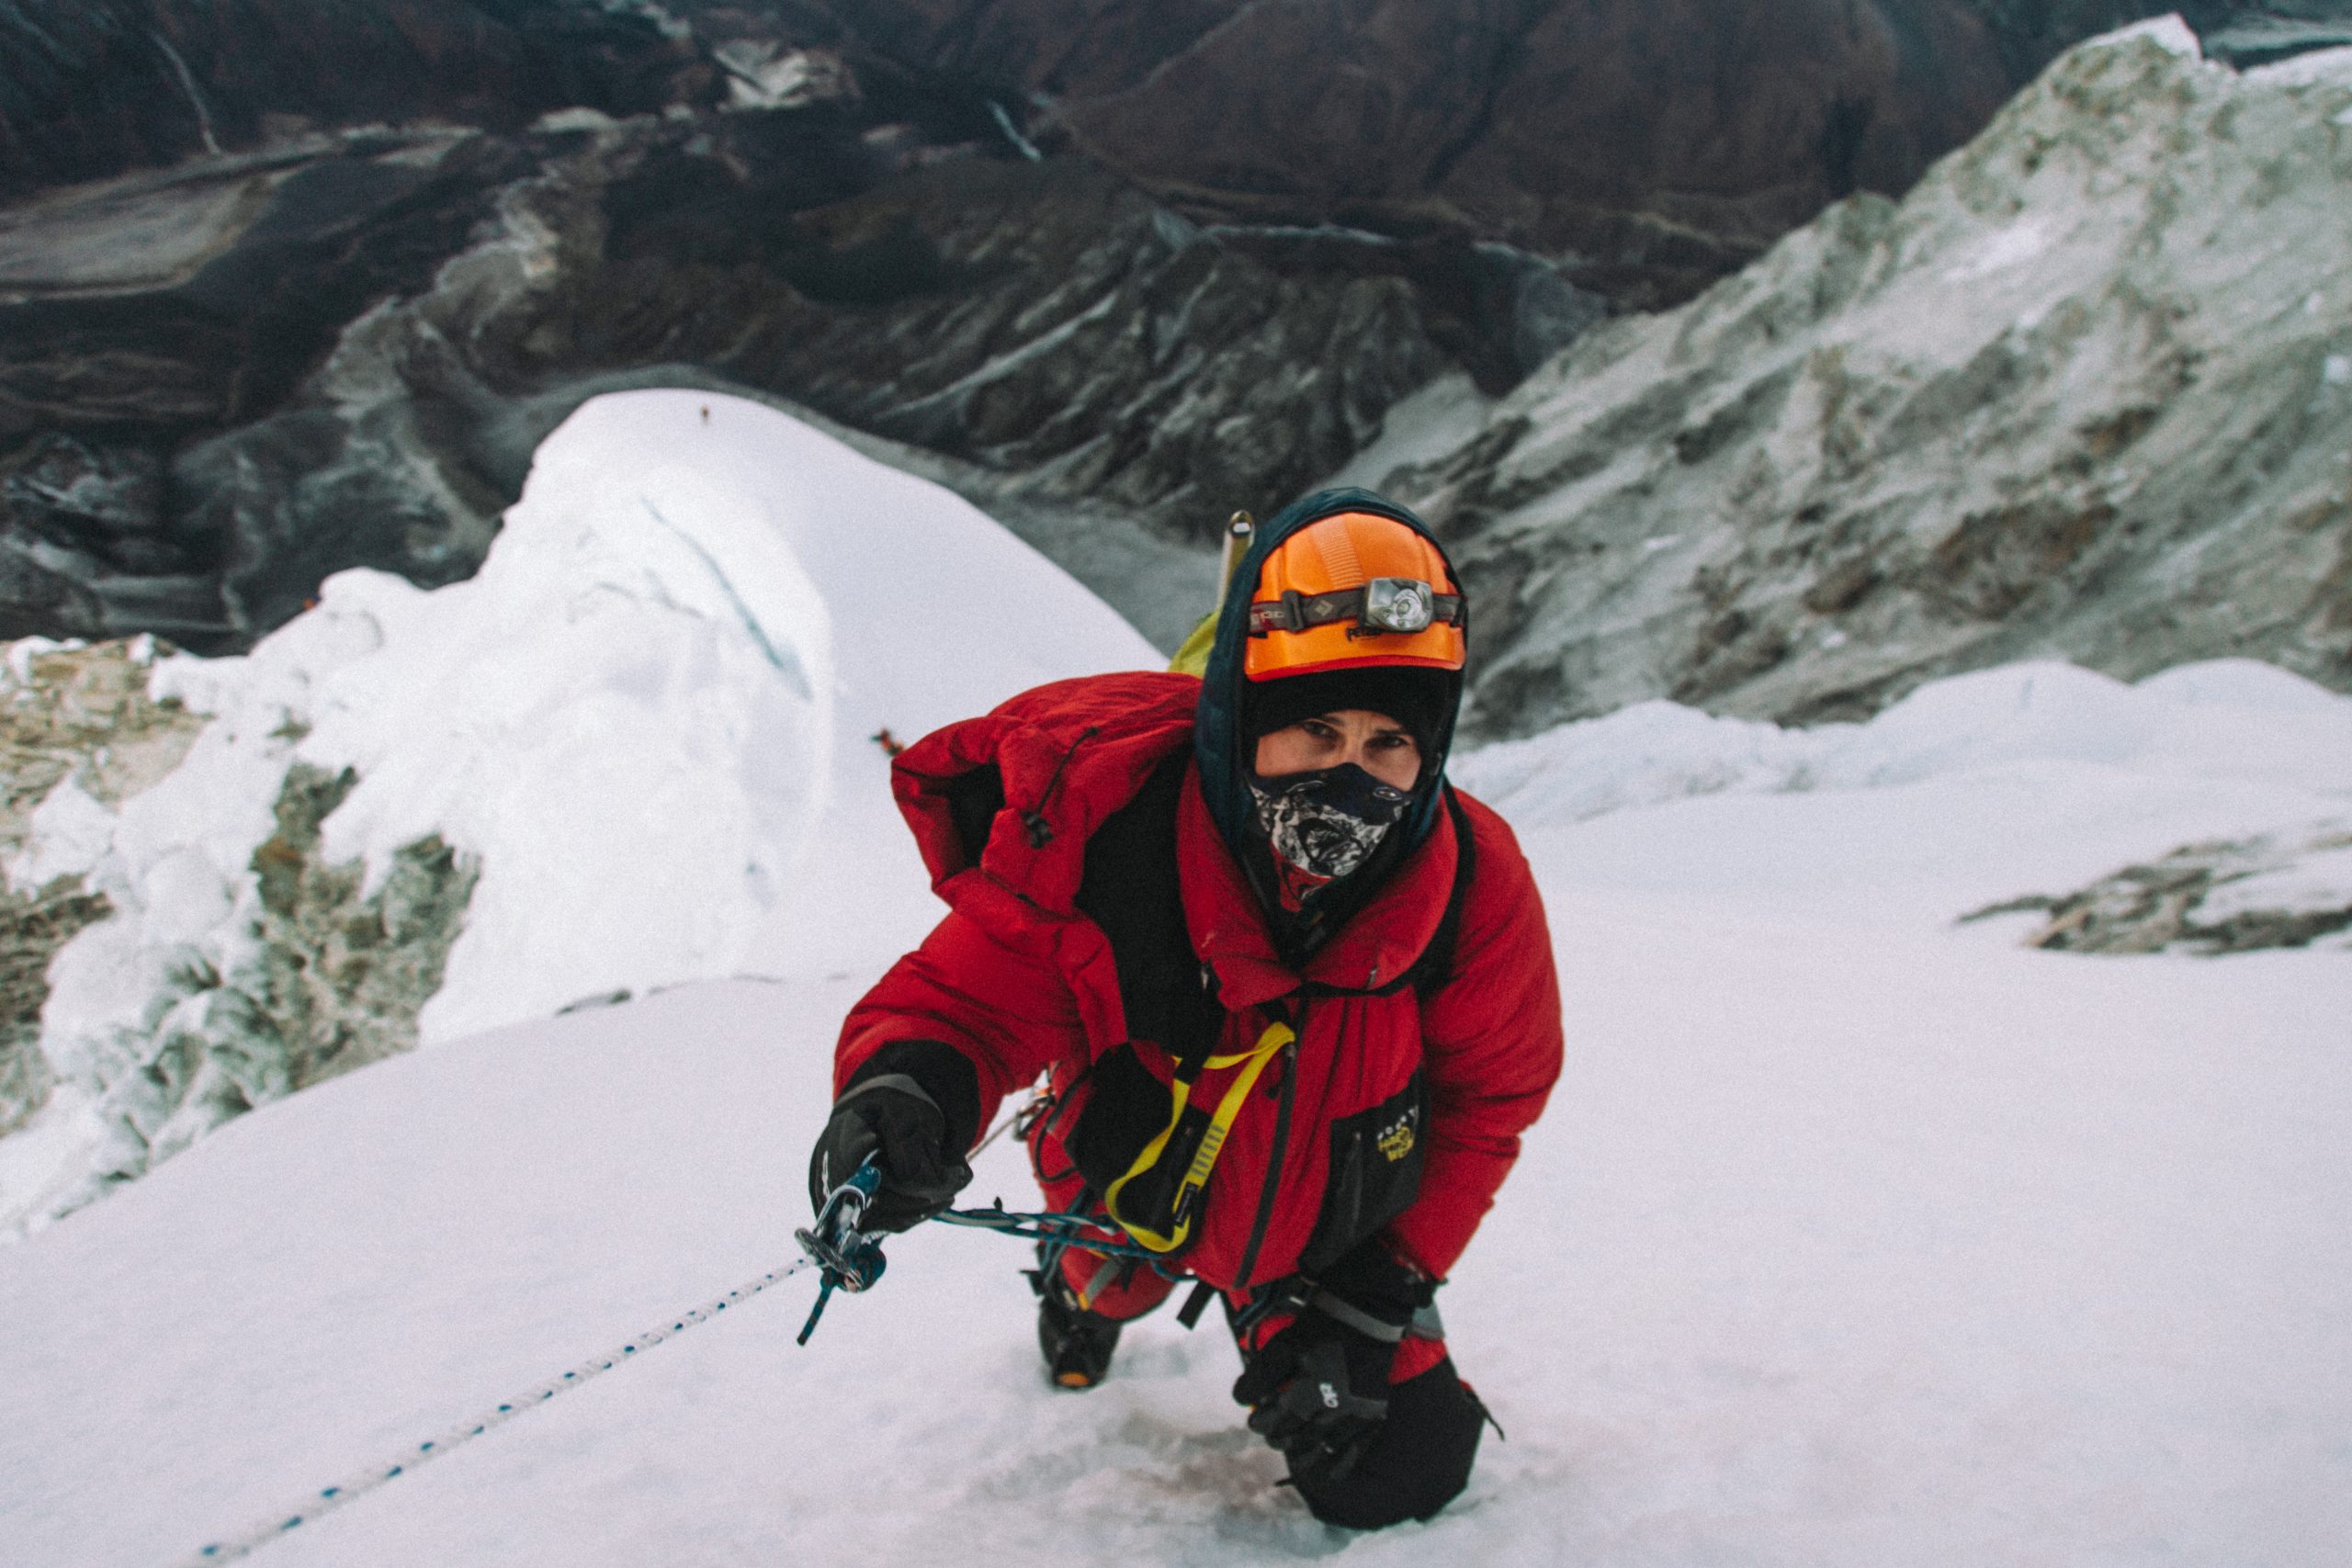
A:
(1342, 586)
(1353, 590)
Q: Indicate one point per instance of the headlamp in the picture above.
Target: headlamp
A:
(1398, 604)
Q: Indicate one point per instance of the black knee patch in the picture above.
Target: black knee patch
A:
(1418, 1462)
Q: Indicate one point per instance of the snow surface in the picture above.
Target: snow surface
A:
(1852, 1236)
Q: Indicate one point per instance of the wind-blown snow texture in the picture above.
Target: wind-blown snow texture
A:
(1853, 1236)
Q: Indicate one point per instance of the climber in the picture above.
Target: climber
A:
(1292, 995)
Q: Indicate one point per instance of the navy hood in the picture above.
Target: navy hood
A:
(1217, 740)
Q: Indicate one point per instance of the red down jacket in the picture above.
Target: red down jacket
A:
(1408, 1102)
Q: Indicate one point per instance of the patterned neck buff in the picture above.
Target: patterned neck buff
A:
(1323, 825)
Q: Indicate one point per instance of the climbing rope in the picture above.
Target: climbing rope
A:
(835, 1245)
(327, 1499)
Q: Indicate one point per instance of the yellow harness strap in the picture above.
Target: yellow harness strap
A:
(1252, 1062)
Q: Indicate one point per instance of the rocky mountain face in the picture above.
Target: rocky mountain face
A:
(223, 382)
(1654, 146)
(1117, 270)
(2084, 393)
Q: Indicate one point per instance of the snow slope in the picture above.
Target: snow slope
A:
(652, 711)
(1915, 808)
(1852, 1238)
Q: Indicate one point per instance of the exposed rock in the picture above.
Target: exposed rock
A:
(2238, 897)
(137, 316)
(1660, 146)
(302, 348)
(2085, 393)
(1654, 148)
(77, 734)
(90, 88)
(343, 971)
(83, 713)
(2264, 35)
(1039, 321)
(316, 975)
(33, 925)
(2031, 33)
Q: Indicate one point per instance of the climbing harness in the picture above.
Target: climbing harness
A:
(1168, 1228)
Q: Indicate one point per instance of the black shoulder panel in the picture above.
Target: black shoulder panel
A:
(1435, 965)
(1130, 889)
(973, 800)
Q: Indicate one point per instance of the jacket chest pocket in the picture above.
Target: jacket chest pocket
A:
(1376, 1173)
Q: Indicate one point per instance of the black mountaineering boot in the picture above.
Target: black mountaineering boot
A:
(1077, 1343)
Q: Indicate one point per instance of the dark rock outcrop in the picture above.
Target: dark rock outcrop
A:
(1662, 143)
(1137, 263)
(91, 88)
(220, 385)
(1655, 146)
(140, 318)
(342, 971)
(2286, 890)
(2031, 33)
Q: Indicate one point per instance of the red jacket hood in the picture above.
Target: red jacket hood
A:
(1069, 754)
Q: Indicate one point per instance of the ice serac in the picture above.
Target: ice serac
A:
(2086, 392)
(626, 714)
(631, 751)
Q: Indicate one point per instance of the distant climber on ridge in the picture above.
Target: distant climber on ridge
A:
(1293, 995)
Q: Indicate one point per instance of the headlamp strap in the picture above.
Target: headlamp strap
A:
(1373, 608)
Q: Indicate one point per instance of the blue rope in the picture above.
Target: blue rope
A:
(228, 1549)
(1061, 1231)
(1056, 1232)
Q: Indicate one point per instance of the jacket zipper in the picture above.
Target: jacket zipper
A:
(1041, 832)
(1267, 1194)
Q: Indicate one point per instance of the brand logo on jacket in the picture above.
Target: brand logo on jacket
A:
(1396, 1140)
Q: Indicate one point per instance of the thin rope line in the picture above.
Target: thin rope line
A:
(329, 1498)
(1005, 1122)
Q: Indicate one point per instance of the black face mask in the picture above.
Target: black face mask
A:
(1326, 823)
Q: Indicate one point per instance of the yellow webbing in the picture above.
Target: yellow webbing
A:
(1252, 1062)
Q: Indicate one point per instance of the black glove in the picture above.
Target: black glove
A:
(912, 1112)
(1318, 1389)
